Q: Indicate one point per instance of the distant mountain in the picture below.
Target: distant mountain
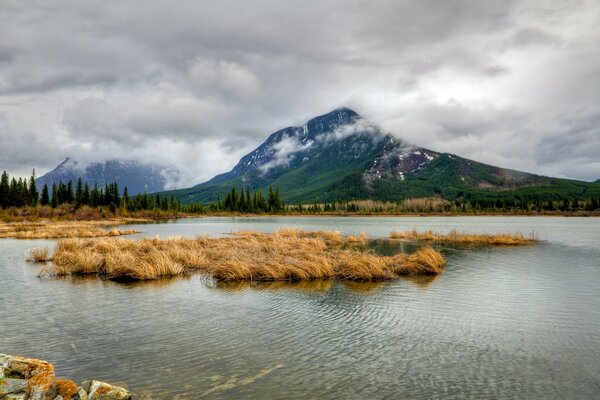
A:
(342, 156)
(597, 181)
(137, 177)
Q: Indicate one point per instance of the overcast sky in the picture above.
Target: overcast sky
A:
(198, 84)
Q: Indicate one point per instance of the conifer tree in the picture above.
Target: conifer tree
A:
(79, 193)
(54, 201)
(125, 198)
(45, 200)
(86, 194)
(4, 190)
(33, 192)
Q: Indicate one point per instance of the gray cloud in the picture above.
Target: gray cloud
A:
(197, 85)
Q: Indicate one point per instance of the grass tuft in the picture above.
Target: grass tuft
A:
(39, 255)
(466, 238)
(63, 229)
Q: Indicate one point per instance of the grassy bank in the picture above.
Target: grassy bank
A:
(67, 212)
(466, 238)
(45, 229)
(286, 255)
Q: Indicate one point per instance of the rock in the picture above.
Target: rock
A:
(28, 367)
(3, 364)
(104, 391)
(66, 389)
(42, 386)
(85, 385)
(15, 396)
(81, 394)
(8, 386)
(59, 397)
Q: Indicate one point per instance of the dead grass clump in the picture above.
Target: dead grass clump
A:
(253, 256)
(357, 265)
(38, 255)
(63, 229)
(361, 237)
(466, 238)
(425, 261)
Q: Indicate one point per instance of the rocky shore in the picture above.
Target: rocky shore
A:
(32, 379)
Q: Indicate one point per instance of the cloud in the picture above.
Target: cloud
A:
(284, 151)
(360, 126)
(197, 85)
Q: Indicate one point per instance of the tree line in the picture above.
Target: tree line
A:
(24, 192)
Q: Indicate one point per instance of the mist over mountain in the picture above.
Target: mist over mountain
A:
(342, 156)
(136, 176)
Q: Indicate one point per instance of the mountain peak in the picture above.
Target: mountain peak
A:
(138, 177)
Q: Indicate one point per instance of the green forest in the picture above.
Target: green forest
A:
(21, 192)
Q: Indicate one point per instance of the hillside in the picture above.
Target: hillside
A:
(342, 156)
(136, 176)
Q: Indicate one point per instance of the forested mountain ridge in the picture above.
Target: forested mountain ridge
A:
(342, 156)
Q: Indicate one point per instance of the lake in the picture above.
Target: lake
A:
(500, 322)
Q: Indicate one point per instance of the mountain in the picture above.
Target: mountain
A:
(137, 177)
(342, 156)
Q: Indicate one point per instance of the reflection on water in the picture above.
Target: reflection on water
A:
(498, 323)
(422, 281)
(362, 287)
(316, 285)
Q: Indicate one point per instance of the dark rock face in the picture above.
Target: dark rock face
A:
(136, 176)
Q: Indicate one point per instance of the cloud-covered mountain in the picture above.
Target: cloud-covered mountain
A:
(342, 156)
(137, 177)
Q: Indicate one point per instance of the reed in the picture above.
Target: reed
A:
(466, 238)
(285, 255)
(38, 255)
(63, 229)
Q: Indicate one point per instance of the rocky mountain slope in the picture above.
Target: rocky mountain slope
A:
(342, 156)
(137, 177)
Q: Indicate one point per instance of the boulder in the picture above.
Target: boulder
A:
(12, 386)
(81, 394)
(103, 391)
(28, 367)
(42, 386)
(66, 389)
(3, 364)
(15, 396)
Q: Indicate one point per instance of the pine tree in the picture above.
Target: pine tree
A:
(86, 194)
(4, 190)
(271, 199)
(69, 196)
(79, 193)
(54, 201)
(125, 198)
(45, 200)
(33, 192)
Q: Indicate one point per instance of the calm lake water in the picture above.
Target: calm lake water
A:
(500, 322)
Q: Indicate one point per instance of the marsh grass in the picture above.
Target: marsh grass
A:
(38, 255)
(286, 255)
(466, 238)
(63, 229)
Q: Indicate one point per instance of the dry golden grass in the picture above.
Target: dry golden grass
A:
(466, 238)
(38, 255)
(286, 255)
(361, 237)
(62, 229)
